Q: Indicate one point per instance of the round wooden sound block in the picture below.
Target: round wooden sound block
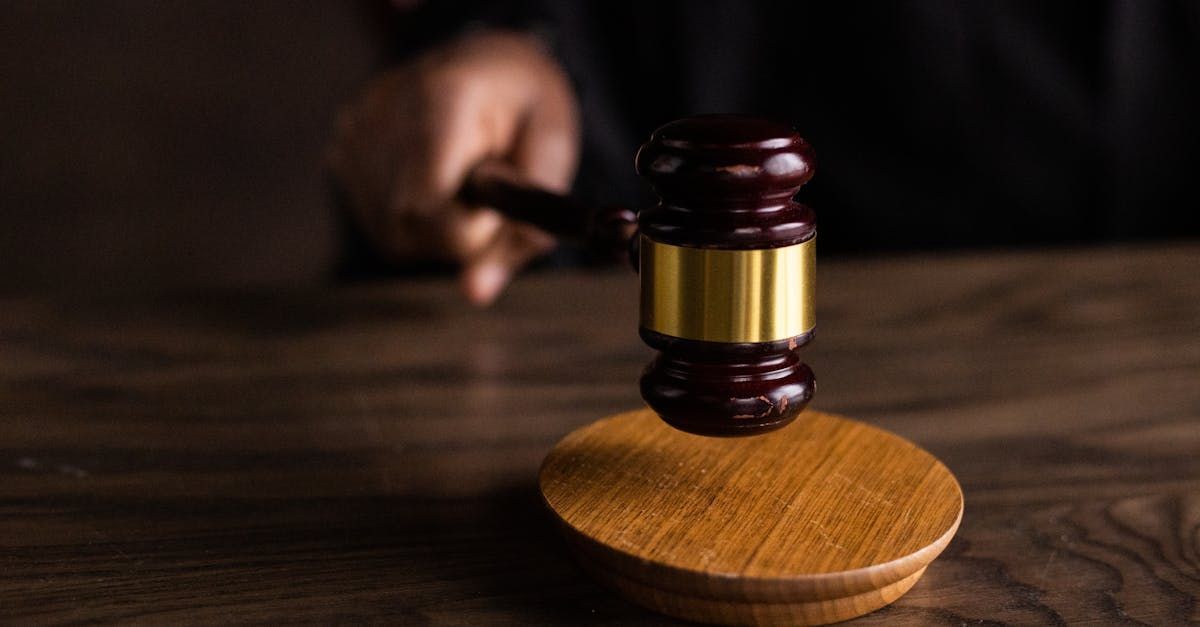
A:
(819, 522)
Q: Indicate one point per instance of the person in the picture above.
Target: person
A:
(937, 124)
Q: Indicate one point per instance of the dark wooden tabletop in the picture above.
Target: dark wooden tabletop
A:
(370, 453)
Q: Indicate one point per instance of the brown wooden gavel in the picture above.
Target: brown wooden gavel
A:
(727, 264)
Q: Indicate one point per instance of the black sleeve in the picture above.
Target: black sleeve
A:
(432, 22)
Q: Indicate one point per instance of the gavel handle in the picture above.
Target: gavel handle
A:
(606, 232)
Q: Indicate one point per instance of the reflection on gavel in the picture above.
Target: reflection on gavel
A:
(727, 265)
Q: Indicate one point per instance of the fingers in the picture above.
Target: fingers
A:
(485, 276)
(464, 122)
(404, 149)
(470, 111)
(470, 231)
(545, 151)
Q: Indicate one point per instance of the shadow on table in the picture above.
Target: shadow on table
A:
(499, 558)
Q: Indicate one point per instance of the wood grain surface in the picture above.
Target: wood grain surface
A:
(371, 453)
(817, 523)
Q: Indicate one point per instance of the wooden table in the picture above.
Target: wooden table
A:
(370, 453)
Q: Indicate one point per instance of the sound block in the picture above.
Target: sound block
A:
(819, 522)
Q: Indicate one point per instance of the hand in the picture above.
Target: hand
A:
(403, 149)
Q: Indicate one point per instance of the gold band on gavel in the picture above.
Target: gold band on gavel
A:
(714, 295)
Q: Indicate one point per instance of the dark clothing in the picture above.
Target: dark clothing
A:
(936, 123)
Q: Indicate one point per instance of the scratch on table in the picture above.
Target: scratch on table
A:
(1049, 561)
(73, 471)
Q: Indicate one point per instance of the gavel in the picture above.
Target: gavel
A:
(727, 263)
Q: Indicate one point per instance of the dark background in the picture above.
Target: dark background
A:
(153, 143)
(150, 144)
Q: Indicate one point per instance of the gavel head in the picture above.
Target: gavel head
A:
(727, 265)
